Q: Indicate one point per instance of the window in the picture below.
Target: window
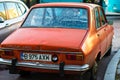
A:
(58, 17)
(102, 17)
(19, 10)
(22, 8)
(2, 11)
(12, 10)
(97, 18)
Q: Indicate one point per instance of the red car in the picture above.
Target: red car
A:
(65, 38)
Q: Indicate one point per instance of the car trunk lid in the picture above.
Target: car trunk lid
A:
(45, 38)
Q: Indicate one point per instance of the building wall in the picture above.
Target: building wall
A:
(108, 5)
(114, 6)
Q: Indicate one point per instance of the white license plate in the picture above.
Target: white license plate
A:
(34, 56)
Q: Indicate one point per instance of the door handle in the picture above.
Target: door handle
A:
(6, 25)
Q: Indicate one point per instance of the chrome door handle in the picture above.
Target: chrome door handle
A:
(6, 25)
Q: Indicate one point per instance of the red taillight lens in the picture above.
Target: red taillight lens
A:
(1, 52)
(74, 57)
(8, 53)
(71, 57)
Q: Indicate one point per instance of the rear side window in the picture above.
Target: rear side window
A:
(97, 18)
(2, 11)
(103, 20)
(22, 8)
(12, 10)
(19, 10)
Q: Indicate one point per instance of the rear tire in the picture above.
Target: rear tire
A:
(85, 76)
(93, 71)
(91, 74)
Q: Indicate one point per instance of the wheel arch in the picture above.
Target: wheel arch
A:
(98, 57)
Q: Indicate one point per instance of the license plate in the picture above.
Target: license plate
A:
(34, 56)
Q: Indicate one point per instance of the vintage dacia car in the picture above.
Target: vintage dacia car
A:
(65, 38)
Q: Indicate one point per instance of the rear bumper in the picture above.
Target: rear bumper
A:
(45, 66)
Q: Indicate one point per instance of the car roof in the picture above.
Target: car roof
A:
(66, 4)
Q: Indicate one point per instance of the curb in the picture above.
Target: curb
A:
(112, 66)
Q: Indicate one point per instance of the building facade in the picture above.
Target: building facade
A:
(108, 5)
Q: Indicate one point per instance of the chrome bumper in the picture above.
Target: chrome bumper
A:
(46, 66)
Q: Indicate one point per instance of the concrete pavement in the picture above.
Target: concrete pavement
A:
(113, 68)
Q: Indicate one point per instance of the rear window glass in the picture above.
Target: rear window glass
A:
(57, 18)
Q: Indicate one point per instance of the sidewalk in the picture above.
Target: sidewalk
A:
(113, 69)
(118, 71)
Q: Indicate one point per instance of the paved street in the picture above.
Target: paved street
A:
(116, 40)
(4, 74)
(115, 46)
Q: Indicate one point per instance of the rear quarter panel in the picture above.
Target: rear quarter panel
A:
(91, 45)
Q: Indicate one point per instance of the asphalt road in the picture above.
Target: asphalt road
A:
(4, 74)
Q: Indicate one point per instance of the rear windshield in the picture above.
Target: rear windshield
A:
(51, 17)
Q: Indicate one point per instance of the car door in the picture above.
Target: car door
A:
(107, 27)
(101, 31)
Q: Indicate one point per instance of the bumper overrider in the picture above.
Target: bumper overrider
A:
(62, 67)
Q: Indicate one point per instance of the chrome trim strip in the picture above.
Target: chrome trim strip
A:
(40, 50)
(46, 66)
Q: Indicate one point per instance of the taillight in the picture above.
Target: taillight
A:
(74, 57)
(1, 52)
(8, 53)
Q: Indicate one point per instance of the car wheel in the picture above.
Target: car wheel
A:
(109, 51)
(85, 76)
(93, 71)
(24, 73)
